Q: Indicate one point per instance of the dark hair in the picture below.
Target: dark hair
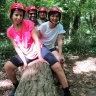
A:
(54, 12)
(12, 11)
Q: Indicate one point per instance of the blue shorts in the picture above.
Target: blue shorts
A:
(53, 49)
(46, 54)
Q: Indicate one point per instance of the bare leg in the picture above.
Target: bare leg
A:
(56, 54)
(10, 70)
(60, 74)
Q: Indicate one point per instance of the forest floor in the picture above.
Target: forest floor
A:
(80, 72)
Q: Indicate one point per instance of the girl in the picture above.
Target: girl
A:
(51, 31)
(28, 47)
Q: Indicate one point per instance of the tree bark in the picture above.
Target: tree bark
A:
(38, 80)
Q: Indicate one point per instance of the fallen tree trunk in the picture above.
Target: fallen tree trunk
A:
(38, 80)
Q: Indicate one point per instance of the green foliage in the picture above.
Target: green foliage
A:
(4, 19)
(84, 38)
(2, 1)
(37, 3)
(77, 46)
(82, 42)
(6, 49)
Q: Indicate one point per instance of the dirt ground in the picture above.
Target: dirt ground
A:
(80, 72)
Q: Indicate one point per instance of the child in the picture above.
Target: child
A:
(28, 47)
(51, 31)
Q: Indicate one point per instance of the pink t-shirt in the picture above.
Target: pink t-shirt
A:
(24, 38)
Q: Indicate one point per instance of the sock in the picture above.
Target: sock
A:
(66, 91)
(16, 84)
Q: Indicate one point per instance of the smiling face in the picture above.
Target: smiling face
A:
(17, 16)
(32, 14)
(54, 18)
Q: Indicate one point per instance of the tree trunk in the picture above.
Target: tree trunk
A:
(38, 80)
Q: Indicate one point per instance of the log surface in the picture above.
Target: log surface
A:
(38, 80)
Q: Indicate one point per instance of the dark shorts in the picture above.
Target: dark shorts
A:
(46, 54)
(53, 49)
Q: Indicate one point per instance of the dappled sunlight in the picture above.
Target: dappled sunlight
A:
(5, 84)
(85, 66)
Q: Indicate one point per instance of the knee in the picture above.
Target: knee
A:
(8, 66)
(58, 58)
(57, 68)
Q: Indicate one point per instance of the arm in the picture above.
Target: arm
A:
(36, 40)
(40, 34)
(38, 45)
(60, 43)
(18, 51)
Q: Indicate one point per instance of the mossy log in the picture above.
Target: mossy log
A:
(38, 80)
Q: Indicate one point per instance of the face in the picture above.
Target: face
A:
(17, 16)
(54, 18)
(32, 15)
(42, 15)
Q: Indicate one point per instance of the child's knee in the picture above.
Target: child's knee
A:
(8, 66)
(57, 67)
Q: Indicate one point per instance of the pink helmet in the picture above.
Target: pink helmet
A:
(54, 9)
(43, 9)
(17, 6)
(31, 8)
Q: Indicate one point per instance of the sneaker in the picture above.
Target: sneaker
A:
(12, 92)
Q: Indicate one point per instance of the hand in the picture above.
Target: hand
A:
(42, 60)
(62, 60)
(22, 68)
